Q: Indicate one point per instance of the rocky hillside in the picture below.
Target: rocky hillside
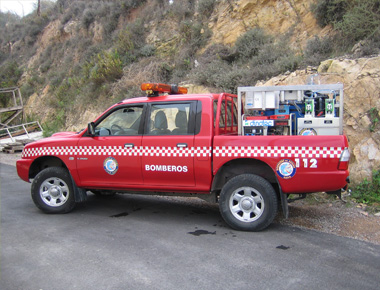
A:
(79, 57)
(231, 19)
(227, 21)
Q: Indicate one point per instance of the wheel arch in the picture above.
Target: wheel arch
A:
(241, 166)
(44, 162)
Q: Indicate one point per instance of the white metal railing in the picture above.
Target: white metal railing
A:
(18, 128)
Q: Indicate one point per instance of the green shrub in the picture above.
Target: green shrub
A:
(218, 74)
(267, 58)
(193, 35)
(110, 13)
(354, 19)
(130, 42)
(54, 125)
(374, 117)
(361, 21)
(318, 49)
(10, 73)
(104, 67)
(55, 78)
(90, 50)
(31, 28)
(330, 11)
(3, 56)
(367, 191)
(206, 7)
(147, 50)
(71, 10)
(217, 51)
(370, 47)
(124, 41)
(249, 44)
(64, 94)
(256, 56)
(27, 90)
(181, 9)
(127, 5)
(88, 17)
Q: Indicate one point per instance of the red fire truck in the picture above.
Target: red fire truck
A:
(248, 152)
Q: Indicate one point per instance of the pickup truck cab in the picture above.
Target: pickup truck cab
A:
(183, 145)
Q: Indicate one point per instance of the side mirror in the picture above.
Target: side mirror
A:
(91, 129)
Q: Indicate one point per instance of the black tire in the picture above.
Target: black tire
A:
(248, 202)
(52, 190)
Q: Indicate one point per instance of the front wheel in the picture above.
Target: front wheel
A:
(248, 202)
(52, 190)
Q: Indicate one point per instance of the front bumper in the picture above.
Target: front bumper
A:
(23, 166)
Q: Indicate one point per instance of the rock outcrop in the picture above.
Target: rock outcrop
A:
(279, 17)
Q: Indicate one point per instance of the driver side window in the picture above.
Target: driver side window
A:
(121, 122)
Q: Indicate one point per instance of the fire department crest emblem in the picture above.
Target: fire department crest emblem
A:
(110, 165)
(286, 168)
(308, 132)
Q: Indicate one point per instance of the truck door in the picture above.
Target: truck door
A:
(168, 143)
(112, 159)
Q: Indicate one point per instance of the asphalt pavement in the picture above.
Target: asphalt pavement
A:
(147, 242)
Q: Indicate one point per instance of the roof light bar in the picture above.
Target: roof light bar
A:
(154, 89)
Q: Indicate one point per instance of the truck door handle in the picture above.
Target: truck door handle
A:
(181, 145)
(129, 145)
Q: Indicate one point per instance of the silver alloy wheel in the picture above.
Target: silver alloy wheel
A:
(54, 191)
(246, 204)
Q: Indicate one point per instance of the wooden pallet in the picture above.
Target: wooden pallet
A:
(13, 148)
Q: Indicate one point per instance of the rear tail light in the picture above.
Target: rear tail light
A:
(344, 159)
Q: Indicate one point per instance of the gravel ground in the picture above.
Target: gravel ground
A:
(318, 212)
(9, 159)
(326, 214)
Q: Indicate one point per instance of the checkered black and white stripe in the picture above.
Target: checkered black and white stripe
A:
(278, 151)
(223, 151)
(118, 151)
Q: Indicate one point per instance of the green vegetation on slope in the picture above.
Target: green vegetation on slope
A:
(368, 191)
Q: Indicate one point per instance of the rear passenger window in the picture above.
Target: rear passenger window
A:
(169, 119)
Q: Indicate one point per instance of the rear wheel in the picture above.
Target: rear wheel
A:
(52, 190)
(248, 202)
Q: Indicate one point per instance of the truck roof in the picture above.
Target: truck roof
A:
(186, 97)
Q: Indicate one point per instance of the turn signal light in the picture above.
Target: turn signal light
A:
(154, 89)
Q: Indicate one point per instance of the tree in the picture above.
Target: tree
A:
(39, 8)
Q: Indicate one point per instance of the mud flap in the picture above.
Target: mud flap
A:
(80, 194)
(284, 204)
(338, 193)
(284, 201)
